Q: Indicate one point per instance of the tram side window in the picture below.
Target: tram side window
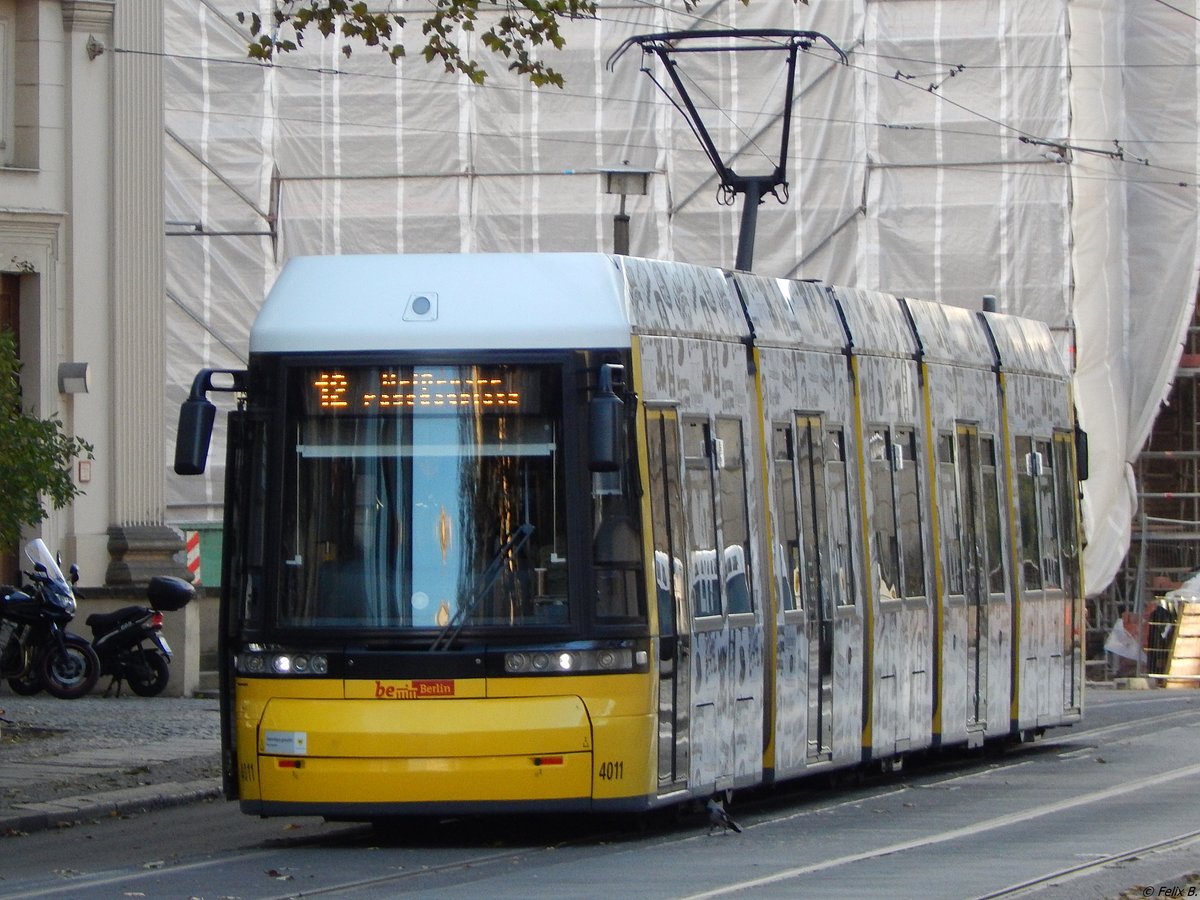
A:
(787, 547)
(666, 517)
(1064, 477)
(703, 572)
(735, 520)
(838, 489)
(967, 464)
(244, 518)
(1048, 517)
(616, 548)
(905, 471)
(883, 512)
(991, 515)
(951, 509)
(815, 515)
(1027, 466)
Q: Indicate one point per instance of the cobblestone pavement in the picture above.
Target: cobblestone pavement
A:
(62, 760)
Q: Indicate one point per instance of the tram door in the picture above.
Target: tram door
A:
(818, 599)
(975, 587)
(1066, 486)
(674, 642)
(727, 662)
(801, 577)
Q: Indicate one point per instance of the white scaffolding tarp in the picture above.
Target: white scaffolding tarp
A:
(1042, 152)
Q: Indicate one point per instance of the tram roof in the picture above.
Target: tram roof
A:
(789, 313)
(1025, 345)
(490, 301)
(551, 301)
(877, 323)
(480, 301)
(953, 335)
(683, 299)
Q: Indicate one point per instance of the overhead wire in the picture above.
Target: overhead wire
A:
(1077, 171)
(335, 71)
(688, 149)
(1178, 10)
(946, 71)
(408, 77)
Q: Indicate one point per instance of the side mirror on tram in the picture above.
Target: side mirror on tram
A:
(606, 417)
(196, 417)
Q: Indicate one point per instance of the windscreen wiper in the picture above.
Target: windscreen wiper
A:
(447, 635)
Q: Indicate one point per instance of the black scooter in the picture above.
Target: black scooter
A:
(129, 641)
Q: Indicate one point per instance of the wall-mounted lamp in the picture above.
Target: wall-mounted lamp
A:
(74, 378)
(625, 182)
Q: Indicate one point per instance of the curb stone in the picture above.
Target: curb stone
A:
(26, 818)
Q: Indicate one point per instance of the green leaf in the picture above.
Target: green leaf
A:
(36, 455)
(515, 27)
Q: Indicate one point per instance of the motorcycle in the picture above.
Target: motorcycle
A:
(36, 650)
(130, 643)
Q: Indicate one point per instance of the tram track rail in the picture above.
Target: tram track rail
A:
(481, 860)
(891, 786)
(890, 790)
(1070, 873)
(952, 834)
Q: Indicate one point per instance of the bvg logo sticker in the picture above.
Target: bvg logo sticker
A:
(414, 690)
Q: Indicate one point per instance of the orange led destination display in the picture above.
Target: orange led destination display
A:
(335, 392)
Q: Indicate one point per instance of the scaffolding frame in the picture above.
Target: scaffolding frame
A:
(1164, 546)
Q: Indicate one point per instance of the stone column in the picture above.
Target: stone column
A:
(140, 543)
(86, 294)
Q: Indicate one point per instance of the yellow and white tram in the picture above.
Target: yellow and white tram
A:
(582, 532)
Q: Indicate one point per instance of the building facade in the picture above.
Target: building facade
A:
(81, 264)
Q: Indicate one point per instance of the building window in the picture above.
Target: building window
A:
(7, 82)
(19, 84)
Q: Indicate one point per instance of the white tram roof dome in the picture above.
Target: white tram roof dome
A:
(483, 301)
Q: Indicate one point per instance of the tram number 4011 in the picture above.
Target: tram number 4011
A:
(611, 771)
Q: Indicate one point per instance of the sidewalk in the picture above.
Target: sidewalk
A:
(67, 761)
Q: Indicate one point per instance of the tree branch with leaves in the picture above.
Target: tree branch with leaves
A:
(36, 455)
(515, 30)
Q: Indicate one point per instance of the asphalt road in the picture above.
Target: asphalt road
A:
(1105, 809)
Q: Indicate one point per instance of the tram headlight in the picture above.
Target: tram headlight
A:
(578, 661)
(257, 660)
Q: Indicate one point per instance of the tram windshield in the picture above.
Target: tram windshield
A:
(421, 496)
